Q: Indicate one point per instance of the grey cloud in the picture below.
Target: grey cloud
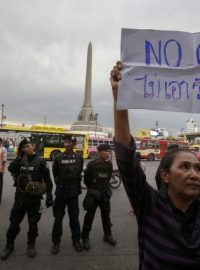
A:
(43, 46)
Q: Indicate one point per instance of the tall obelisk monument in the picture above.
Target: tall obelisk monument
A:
(87, 120)
(87, 105)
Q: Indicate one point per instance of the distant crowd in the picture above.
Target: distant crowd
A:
(9, 143)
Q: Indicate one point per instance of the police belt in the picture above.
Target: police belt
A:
(101, 183)
(100, 194)
(66, 181)
(94, 192)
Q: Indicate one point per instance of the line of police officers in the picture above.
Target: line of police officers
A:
(32, 179)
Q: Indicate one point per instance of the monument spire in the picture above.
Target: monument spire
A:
(88, 78)
(87, 119)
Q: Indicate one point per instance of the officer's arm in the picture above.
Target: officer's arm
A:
(111, 166)
(14, 166)
(82, 163)
(46, 176)
(81, 167)
(55, 169)
(88, 175)
(111, 169)
(49, 184)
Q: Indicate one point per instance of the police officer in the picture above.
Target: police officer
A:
(97, 177)
(28, 168)
(67, 170)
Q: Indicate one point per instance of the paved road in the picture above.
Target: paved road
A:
(101, 256)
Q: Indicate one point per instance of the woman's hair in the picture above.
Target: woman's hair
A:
(168, 159)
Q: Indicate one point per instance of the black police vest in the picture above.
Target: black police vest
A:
(32, 167)
(102, 172)
(70, 169)
(30, 170)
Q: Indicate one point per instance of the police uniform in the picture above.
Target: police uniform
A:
(97, 177)
(38, 170)
(67, 170)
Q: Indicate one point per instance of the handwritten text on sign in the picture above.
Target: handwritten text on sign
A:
(161, 70)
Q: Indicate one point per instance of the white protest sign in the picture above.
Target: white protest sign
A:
(161, 70)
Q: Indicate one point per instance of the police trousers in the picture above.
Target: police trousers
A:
(104, 206)
(60, 204)
(17, 214)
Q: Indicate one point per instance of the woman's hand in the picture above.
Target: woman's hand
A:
(121, 122)
(115, 77)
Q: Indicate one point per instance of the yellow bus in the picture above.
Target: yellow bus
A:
(48, 139)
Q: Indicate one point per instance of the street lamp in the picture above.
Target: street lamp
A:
(2, 116)
(96, 116)
(156, 124)
(45, 120)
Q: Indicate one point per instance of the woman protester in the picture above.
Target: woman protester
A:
(168, 221)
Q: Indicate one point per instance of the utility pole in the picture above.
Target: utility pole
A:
(2, 114)
(96, 116)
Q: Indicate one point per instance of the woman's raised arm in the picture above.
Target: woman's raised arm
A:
(121, 121)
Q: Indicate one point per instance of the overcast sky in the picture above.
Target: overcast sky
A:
(43, 50)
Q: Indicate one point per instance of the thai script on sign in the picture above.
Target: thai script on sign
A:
(161, 70)
(157, 88)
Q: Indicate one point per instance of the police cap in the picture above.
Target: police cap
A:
(24, 142)
(69, 137)
(103, 147)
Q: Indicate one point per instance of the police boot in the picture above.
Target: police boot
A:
(77, 245)
(31, 251)
(86, 243)
(108, 238)
(7, 251)
(55, 248)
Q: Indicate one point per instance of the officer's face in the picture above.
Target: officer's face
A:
(104, 154)
(29, 148)
(69, 145)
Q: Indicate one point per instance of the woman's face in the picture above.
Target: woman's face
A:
(183, 178)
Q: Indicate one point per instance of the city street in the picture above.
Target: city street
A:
(101, 256)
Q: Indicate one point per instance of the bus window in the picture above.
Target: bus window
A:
(53, 139)
(157, 145)
(143, 145)
(95, 143)
(90, 142)
(138, 143)
(149, 144)
(80, 141)
(111, 143)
